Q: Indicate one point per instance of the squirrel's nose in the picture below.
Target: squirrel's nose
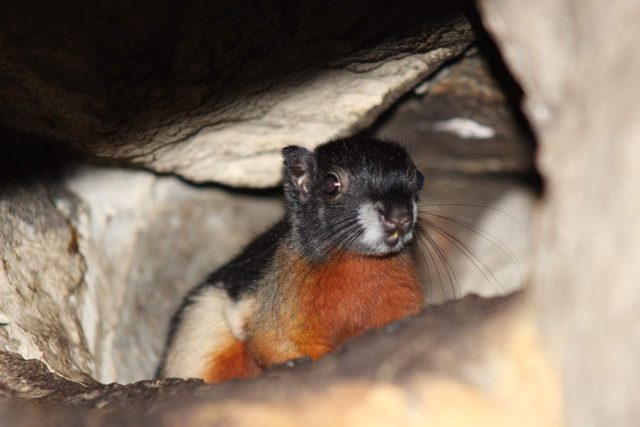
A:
(396, 222)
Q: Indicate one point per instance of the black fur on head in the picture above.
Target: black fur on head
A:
(350, 194)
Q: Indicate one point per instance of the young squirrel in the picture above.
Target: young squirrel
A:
(340, 262)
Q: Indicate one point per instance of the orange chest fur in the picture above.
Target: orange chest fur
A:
(350, 295)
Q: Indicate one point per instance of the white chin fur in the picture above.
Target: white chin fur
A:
(372, 240)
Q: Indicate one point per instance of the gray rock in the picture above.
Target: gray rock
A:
(40, 273)
(95, 263)
(577, 65)
(146, 241)
(481, 227)
(450, 365)
(461, 121)
(213, 90)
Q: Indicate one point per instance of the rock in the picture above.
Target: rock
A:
(97, 258)
(464, 355)
(147, 240)
(461, 121)
(213, 90)
(21, 380)
(41, 271)
(575, 61)
(481, 227)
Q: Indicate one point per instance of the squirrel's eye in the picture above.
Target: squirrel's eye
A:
(331, 184)
(420, 180)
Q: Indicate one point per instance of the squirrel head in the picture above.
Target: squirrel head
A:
(353, 195)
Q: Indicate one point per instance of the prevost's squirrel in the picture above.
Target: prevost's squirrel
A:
(340, 262)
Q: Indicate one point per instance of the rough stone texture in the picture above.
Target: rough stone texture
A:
(461, 121)
(478, 355)
(577, 65)
(147, 240)
(212, 90)
(245, 148)
(96, 259)
(41, 271)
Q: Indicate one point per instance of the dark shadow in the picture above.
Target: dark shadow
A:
(25, 159)
(511, 89)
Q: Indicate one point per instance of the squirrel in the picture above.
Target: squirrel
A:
(340, 262)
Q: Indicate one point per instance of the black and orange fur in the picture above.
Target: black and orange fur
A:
(313, 280)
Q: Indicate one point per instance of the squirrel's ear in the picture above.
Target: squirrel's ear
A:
(297, 168)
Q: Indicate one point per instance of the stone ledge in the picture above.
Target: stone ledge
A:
(478, 354)
(186, 91)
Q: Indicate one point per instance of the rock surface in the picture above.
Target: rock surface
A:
(40, 273)
(575, 60)
(480, 355)
(460, 121)
(213, 89)
(96, 259)
(147, 240)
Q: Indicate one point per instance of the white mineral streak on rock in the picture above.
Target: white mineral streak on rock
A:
(465, 128)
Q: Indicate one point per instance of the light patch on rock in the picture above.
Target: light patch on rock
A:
(503, 245)
(422, 88)
(465, 128)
